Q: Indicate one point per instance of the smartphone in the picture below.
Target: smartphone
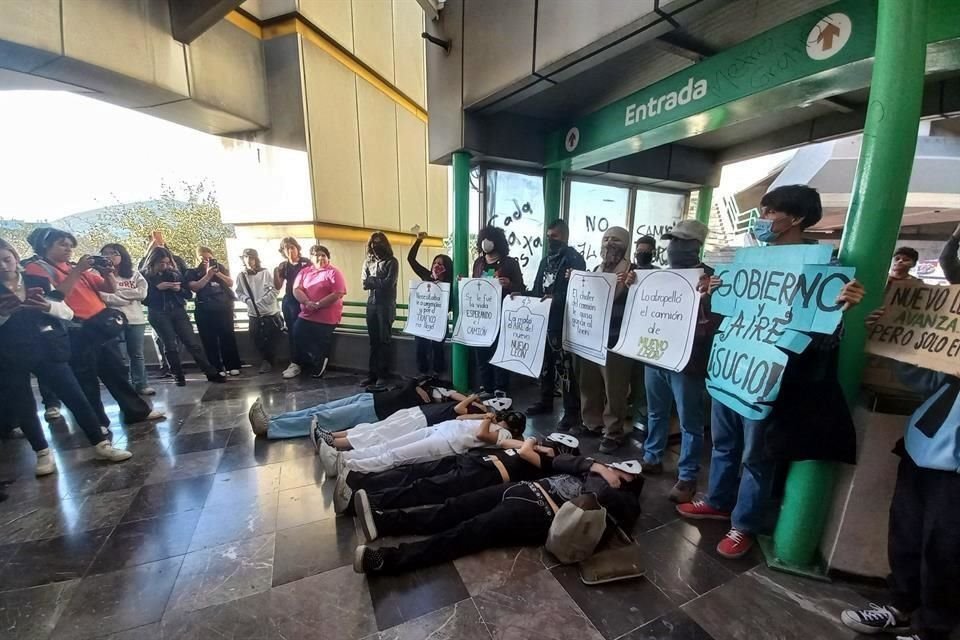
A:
(100, 262)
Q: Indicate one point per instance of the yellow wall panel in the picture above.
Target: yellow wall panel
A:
(333, 17)
(437, 200)
(378, 159)
(412, 158)
(373, 35)
(408, 50)
(333, 138)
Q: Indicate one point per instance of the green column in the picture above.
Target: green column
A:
(552, 197)
(461, 255)
(704, 204)
(869, 237)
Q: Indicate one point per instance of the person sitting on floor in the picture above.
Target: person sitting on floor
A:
(414, 485)
(445, 439)
(517, 513)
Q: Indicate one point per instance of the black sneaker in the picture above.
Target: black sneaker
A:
(368, 381)
(539, 409)
(216, 378)
(367, 560)
(322, 370)
(379, 385)
(876, 619)
(181, 381)
(361, 507)
(609, 445)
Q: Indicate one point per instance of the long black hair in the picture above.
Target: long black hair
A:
(515, 422)
(382, 237)
(447, 267)
(125, 268)
(495, 235)
(42, 238)
(156, 255)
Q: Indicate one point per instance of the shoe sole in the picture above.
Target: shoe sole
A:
(358, 554)
(859, 627)
(329, 465)
(734, 556)
(361, 507)
(342, 495)
(45, 472)
(313, 436)
(692, 516)
(254, 410)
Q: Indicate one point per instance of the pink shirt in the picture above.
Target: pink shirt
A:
(319, 283)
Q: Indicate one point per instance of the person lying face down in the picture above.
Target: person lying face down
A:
(346, 413)
(432, 443)
(414, 485)
(516, 513)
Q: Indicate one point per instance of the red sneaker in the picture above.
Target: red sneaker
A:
(735, 544)
(700, 510)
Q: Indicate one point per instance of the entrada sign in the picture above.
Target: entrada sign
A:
(667, 102)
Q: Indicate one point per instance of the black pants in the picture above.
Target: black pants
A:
(414, 485)
(173, 328)
(291, 311)
(430, 356)
(924, 548)
(380, 319)
(22, 407)
(499, 516)
(264, 334)
(93, 362)
(49, 398)
(557, 363)
(492, 378)
(215, 326)
(313, 342)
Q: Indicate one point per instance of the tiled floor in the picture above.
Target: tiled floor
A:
(208, 532)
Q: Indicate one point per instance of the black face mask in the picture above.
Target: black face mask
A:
(644, 258)
(555, 245)
(683, 254)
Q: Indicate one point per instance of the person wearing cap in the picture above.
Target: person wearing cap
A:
(746, 451)
(684, 388)
(416, 485)
(604, 389)
(255, 289)
(503, 515)
(644, 253)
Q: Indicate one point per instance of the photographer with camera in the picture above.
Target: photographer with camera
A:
(212, 284)
(96, 329)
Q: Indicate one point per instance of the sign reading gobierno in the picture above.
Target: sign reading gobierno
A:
(427, 310)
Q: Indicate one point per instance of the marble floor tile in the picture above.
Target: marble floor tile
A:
(215, 415)
(118, 600)
(192, 442)
(31, 614)
(300, 472)
(676, 625)
(305, 504)
(616, 607)
(706, 534)
(244, 484)
(167, 498)
(221, 523)
(534, 607)
(223, 573)
(762, 604)
(243, 619)
(101, 477)
(143, 541)
(493, 568)
(313, 548)
(677, 567)
(52, 560)
(335, 605)
(397, 599)
(242, 451)
(460, 621)
(187, 465)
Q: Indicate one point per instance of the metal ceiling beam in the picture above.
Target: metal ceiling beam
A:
(189, 19)
(681, 43)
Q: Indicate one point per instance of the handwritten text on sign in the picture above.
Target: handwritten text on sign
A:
(523, 335)
(772, 298)
(427, 310)
(586, 318)
(660, 317)
(921, 326)
(478, 320)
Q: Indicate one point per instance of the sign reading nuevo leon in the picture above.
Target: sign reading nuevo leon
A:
(920, 326)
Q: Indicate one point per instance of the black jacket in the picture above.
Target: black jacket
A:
(380, 279)
(28, 338)
(166, 300)
(552, 280)
(622, 506)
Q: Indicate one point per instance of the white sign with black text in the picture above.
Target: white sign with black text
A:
(478, 320)
(523, 335)
(427, 309)
(586, 318)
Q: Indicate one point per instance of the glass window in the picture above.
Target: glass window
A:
(655, 213)
(515, 203)
(594, 208)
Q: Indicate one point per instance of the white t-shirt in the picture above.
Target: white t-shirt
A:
(462, 434)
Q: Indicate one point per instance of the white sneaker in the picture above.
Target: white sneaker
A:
(328, 458)
(147, 391)
(45, 462)
(155, 415)
(292, 371)
(342, 493)
(105, 451)
(51, 414)
(234, 372)
(259, 419)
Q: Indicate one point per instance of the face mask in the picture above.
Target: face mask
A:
(644, 258)
(683, 254)
(438, 271)
(487, 246)
(554, 245)
(763, 230)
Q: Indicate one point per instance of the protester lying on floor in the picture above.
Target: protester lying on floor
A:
(407, 421)
(414, 485)
(432, 443)
(346, 413)
(517, 513)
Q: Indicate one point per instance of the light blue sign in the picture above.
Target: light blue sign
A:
(772, 297)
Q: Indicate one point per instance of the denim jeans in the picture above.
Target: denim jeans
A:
(736, 441)
(133, 347)
(336, 415)
(663, 388)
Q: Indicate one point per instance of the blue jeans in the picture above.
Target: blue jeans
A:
(663, 388)
(336, 415)
(736, 441)
(133, 346)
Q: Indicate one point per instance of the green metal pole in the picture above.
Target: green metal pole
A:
(869, 238)
(704, 204)
(461, 258)
(552, 197)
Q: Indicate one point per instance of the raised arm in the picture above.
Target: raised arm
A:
(422, 272)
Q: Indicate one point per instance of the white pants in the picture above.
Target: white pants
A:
(423, 445)
(399, 424)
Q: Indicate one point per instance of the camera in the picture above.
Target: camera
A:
(99, 262)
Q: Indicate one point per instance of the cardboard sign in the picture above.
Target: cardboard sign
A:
(523, 335)
(586, 317)
(427, 309)
(478, 321)
(772, 298)
(660, 317)
(921, 326)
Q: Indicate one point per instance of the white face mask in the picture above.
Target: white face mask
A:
(487, 246)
